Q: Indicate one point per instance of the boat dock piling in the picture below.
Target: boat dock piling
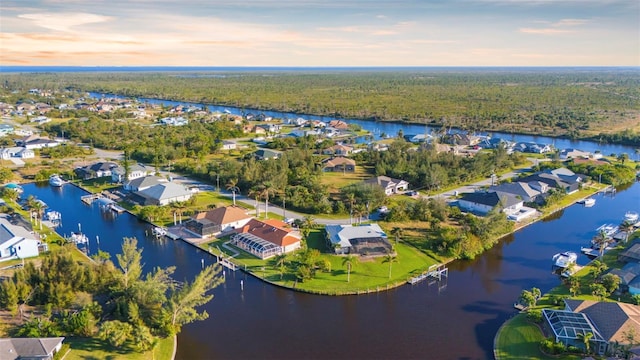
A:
(436, 271)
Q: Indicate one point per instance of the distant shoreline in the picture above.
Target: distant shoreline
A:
(85, 69)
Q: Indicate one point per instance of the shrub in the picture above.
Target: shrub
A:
(535, 316)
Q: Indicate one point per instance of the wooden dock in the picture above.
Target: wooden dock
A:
(436, 271)
(89, 199)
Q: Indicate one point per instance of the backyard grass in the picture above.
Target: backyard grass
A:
(366, 276)
(519, 339)
(91, 348)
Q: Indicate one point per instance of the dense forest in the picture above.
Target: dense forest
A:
(555, 102)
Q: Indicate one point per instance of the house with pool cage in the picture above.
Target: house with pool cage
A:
(267, 238)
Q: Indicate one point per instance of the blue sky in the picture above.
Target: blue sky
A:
(320, 32)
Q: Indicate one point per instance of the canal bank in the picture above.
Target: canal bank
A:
(425, 320)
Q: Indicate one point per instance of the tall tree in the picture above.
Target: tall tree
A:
(349, 261)
(130, 262)
(390, 258)
(232, 186)
(586, 340)
(182, 303)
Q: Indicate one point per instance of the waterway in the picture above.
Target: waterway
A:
(381, 128)
(455, 319)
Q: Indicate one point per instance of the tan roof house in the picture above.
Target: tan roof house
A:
(266, 239)
(217, 221)
(340, 164)
(338, 149)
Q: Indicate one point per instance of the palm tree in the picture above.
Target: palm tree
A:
(390, 258)
(351, 197)
(266, 190)
(586, 340)
(308, 223)
(232, 186)
(178, 209)
(627, 228)
(349, 261)
(256, 193)
(397, 232)
(280, 260)
(601, 240)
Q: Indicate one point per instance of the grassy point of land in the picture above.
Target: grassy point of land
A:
(367, 275)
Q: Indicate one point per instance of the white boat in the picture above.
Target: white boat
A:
(631, 217)
(608, 229)
(52, 215)
(564, 259)
(589, 202)
(79, 238)
(55, 180)
(158, 231)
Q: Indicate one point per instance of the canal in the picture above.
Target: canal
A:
(379, 128)
(456, 319)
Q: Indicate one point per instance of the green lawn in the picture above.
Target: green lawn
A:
(90, 349)
(366, 276)
(519, 339)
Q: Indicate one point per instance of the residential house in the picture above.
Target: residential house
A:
(36, 142)
(298, 121)
(95, 170)
(163, 194)
(30, 348)
(136, 171)
(266, 154)
(340, 164)
(570, 153)
(317, 124)
(362, 239)
(533, 148)
(40, 120)
(217, 221)
(518, 189)
(174, 121)
(418, 138)
(338, 149)
(461, 139)
(338, 124)
(16, 242)
(631, 254)
(143, 183)
(568, 183)
(482, 202)
(266, 239)
(389, 185)
(330, 132)
(16, 152)
(627, 274)
(270, 128)
(609, 322)
(298, 133)
(229, 145)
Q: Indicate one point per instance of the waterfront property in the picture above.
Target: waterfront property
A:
(212, 222)
(16, 242)
(30, 348)
(266, 239)
(143, 183)
(361, 240)
(162, 194)
(136, 171)
(95, 170)
(482, 202)
(609, 322)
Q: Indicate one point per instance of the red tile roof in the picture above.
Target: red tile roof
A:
(273, 231)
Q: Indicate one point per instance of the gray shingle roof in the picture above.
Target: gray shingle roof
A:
(164, 191)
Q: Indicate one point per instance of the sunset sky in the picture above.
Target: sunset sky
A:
(320, 32)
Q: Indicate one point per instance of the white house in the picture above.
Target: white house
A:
(389, 185)
(136, 171)
(218, 220)
(228, 145)
(164, 194)
(16, 242)
(16, 152)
